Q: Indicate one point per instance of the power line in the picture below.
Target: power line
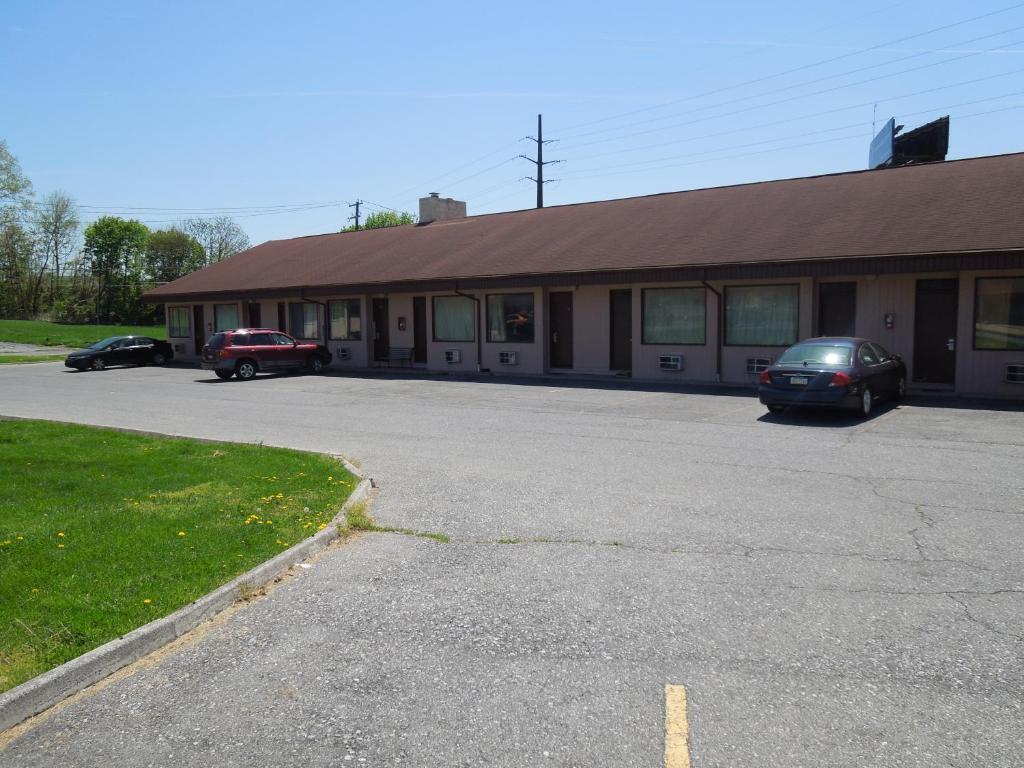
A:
(355, 205)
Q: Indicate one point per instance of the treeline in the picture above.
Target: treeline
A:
(53, 268)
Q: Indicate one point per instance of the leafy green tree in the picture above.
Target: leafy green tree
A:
(15, 188)
(15, 241)
(172, 253)
(220, 237)
(55, 230)
(115, 250)
(382, 219)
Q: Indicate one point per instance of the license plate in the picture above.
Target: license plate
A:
(798, 380)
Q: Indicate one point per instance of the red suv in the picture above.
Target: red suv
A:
(245, 351)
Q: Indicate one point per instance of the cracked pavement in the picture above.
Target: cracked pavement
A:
(830, 591)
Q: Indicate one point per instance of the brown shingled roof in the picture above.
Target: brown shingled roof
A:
(951, 207)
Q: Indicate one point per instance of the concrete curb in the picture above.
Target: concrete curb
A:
(52, 687)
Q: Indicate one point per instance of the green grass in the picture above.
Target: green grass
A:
(357, 518)
(55, 334)
(102, 531)
(8, 359)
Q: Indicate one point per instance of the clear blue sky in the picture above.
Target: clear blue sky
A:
(244, 104)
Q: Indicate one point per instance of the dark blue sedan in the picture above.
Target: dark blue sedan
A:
(835, 372)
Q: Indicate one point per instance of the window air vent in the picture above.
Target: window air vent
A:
(453, 355)
(757, 364)
(670, 362)
(508, 358)
(1015, 373)
(344, 353)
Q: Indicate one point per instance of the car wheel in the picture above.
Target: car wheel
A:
(315, 365)
(158, 358)
(99, 364)
(867, 400)
(245, 370)
(901, 388)
(224, 375)
(776, 409)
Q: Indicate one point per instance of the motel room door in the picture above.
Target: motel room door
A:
(622, 330)
(419, 329)
(560, 316)
(381, 341)
(837, 309)
(198, 328)
(935, 315)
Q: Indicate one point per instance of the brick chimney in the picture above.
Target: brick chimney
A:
(437, 208)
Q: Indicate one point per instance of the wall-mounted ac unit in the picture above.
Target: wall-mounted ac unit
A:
(670, 362)
(508, 358)
(344, 353)
(1015, 373)
(453, 355)
(757, 364)
(179, 348)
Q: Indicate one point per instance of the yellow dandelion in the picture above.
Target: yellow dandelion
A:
(35, 589)
(60, 533)
(147, 601)
(60, 546)
(181, 533)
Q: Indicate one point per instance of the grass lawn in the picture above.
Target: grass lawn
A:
(7, 359)
(102, 531)
(55, 334)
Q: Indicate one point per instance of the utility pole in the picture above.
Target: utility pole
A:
(355, 205)
(540, 162)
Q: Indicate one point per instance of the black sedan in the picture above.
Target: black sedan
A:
(121, 350)
(834, 372)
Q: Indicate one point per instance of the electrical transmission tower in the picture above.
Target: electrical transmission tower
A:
(355, 205)
(540, 162)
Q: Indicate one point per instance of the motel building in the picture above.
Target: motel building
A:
(701, 286)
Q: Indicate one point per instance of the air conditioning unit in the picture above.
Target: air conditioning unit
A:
(179, 348)
(1015, 373)
(670, 362)
(453, 355)
(757, 364)
(508, 358)
(344, 353)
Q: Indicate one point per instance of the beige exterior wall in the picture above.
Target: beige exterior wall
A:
(982, 372)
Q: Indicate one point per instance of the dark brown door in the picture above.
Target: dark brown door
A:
(560, 313)
(380, 329)
(935, 313)
(419, 329)
(282, 316)
(253, 310)
(622, 331)
(198, 327)
(837, 309)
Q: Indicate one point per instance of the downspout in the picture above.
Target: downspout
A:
(327, 317)
(479, 339)
(719, 330)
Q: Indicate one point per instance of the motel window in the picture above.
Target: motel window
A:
(761, 315)
(346, 324)
(304, 320)
(999, 313)
(225, 316)
(510, 317)
(178, 322)
(453, 318)
(673, 316)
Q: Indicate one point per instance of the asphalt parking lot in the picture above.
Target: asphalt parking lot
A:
(830, 591)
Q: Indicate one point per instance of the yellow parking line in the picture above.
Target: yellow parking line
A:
(677, 728)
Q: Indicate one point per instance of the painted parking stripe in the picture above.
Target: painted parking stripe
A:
(677, 728)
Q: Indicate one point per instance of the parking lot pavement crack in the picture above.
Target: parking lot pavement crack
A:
(975, 620)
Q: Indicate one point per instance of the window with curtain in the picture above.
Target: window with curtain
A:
(999, 313)
(762, 315)
(225, 316)
(453, 318)
(304, 320)
(510, 317)
(346, 324)
(177, 322)
(673, 316)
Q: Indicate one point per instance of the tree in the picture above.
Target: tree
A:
(115, 248)
(55, 231)
(15, 188)
(171, 253)
(15, 268)
(382, 219)
(220, 237)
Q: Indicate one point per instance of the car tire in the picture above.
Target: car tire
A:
(99, 364)
(315, 365)
(158, 358)
(867, 401)
(245, 370)
(776, 409)
(901, 388)
(224, 375)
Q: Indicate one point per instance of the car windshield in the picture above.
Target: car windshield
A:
(216, 341)
(820, 354)
(105, 343)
